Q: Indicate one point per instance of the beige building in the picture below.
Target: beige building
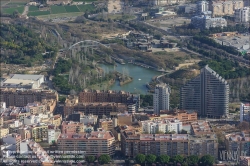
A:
(94, 143)
(72, 127)
(201, 127)
(88, 96)
(133, 143)
(182, 115)
(20, 98)
(124, 119)
(227, 7)
(3, 132)
(39, 132)
(99, 109)
(106, 124)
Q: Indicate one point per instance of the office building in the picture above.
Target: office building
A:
(94, 143)
(206, 21)
(161, 98)
(202, 6)
(161, 126)
(245, 112)
(242, 15)
(20, 98)
(208, 94)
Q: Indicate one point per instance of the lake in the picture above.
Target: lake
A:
(141, 76)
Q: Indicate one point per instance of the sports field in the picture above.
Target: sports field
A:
(38, 13)
(19, 9)
(58, 9)
(72, 8)
(84, 8)
(33, 8)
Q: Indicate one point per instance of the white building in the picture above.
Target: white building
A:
(244, 112)
(88, 119)
(202, 6)
(32, 119)
(37, 80)
(2, 106)
(161, 98)
(242, 14)
(161, 125)
(53, 135)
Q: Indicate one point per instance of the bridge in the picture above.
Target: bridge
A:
(88, 43)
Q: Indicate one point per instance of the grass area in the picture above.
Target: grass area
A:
(38, 13)
(60, 15)
(33, 8)
(84, 8)
(72, 8)
(3, 2)
(11, 10)
(17, 3)
(58, 9)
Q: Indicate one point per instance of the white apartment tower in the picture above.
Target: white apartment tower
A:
(202, 6)
(242, 14)
(244, 112)
(161, 98)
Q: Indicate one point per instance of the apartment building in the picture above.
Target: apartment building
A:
(91, 96)
(221, 8)
(238, 142)
(94, 143)
(20, 98)
(201, 145)
(25, 132)
(242, 15)
(184, 116)
(124, 119)
(208, 94)
(38, 153)
(106, 124)
(245, 112)
(201, 127)
(133, 143)
(39, 132)
(99, 109)
(3, 132)
(13, 140)
(161, 125)
(72, 127)
(202, 6)
(161, 98)
(53, 134)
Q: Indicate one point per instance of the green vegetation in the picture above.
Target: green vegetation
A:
(23, 46)
(19, 9)
(72, 8)
(84, 1)
(147, 100)
(104, 159)
(163, 159)
(150, 158)
(38, 13)
(58, 9)
(140, 158)
(33, 8)
(85, 8)
(90, 159)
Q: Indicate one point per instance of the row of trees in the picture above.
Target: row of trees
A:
(193, 160)
(102, 159)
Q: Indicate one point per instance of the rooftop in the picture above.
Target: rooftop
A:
(95, 135)
(201, 127)
(27, 77)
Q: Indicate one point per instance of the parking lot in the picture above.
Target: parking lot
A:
(240, 42)
(169, 21)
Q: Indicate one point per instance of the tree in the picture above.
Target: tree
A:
(163, 159)
(90, 159)
(192, 160)
(177, 159)
(150, 158)
(206, 160)
(140, 158)
(104, 159)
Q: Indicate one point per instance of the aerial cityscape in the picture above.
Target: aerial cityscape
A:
(125, 82)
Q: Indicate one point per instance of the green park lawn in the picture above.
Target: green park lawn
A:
(71, 8)
(11, 10)
(84, 8)
(33, 8)
(58, 9)
(38, 13)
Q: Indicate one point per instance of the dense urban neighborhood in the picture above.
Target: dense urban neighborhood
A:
(125, 82)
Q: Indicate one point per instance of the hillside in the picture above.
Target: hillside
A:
(21, 45)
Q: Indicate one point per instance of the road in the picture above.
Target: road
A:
(26, 10)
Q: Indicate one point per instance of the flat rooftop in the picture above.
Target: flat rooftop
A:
(27, 77)
(19, 81)
(95, 135)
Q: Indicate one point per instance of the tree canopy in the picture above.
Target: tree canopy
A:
(163, 159)
(206, 160)
(104, 159)
(150, 158)
(140, 158)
